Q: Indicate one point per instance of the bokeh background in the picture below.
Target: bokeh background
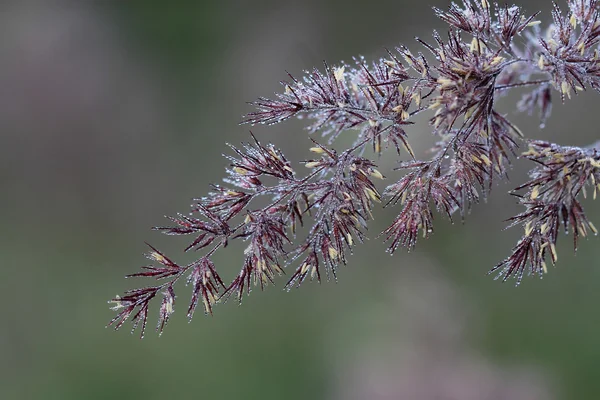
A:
(113, 114)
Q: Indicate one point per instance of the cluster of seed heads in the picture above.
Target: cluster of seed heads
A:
(457, 81)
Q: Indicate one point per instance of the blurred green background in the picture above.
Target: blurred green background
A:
(114, 114)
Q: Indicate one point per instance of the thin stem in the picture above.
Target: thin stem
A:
(519, 84)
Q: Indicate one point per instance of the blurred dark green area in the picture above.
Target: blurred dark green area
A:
(114, 114)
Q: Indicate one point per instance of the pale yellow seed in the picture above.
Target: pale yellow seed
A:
(169, 305)
(573, 21)
(445, 82)
(212, 298)
(530, 152)
(474, 45)
(496, 60)
(305, 267)
(262, 265)
(528, 229)
(565, 88)
(435, 104)
(542, 247)
(372, 194)
(240, 170)
(417, 98)
(403, 199)
(409, 149)
(459, 70)
(274, 154)
(157, 257)
(375, 173)
(333, 253)
(339, 73)
(470, 112)
(535, 193)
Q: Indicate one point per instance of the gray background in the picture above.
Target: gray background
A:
(113, 114)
